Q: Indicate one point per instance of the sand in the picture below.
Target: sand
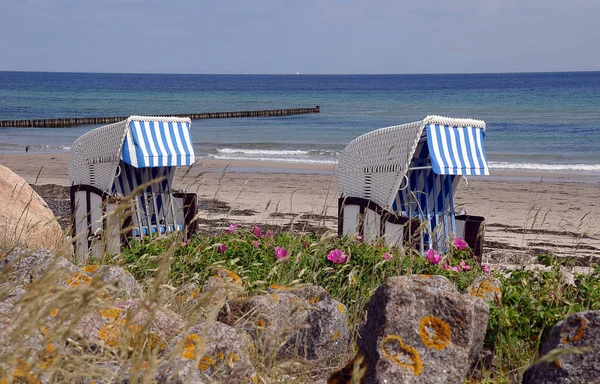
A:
(526, 213)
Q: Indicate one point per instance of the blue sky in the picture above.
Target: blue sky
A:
(308, 36)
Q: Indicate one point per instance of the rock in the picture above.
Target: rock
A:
(326, 340)
(22, 266)
(130, 323)
(12, 295)
(421, 330)
(272, 320)
(287, 326)
(210, 352)
(312, 293)
(123, 284)
(25, 218)
(581, 329)
(223, 284)
(25, 354)
(487, 288)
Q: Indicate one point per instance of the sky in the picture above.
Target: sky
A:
(305, 36)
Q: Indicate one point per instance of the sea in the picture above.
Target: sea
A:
(535, 121)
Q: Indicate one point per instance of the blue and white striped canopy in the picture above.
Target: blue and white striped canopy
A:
(456, 150)
(158, 144)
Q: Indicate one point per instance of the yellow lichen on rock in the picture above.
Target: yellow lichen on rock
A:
(278, 287)
(111, 332)
(484, 289)
(78, 279)
(110, 314)
(393, 348)
(231, 358)
(205, 363)
(226, 274)
(341, 308)
(193, 346)
(435, 333)
(336, 334)
(260, 324)
(91, 268)
(580, 323)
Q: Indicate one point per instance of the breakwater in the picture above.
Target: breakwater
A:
(74, 121)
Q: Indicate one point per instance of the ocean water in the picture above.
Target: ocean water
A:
(535, 121)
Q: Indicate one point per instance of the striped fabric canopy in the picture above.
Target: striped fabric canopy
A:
(456, 150)
(158, 144)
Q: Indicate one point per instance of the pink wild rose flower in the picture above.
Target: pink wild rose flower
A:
(231, 229)
(485, 268)
(221, 248)
(359, 239)
(386, 256)
(337, 256)
(257, 232)
(256, 243)
(280, 252)
(448, 267)
(269, 234)
(460, 244)
(433, 257)
(464, 266)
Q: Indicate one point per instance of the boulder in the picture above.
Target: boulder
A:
(130, 323)
(21, 266)
(272, 320)
(210, 352)
(25, 354)
(25, 218)
(421, 330)
(222, 285)
(487, 288)
(326, 339)
(120, 282)
(288, 326)
(581, 329)
(312, 293)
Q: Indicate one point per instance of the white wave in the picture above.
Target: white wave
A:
(545, 167)
(275, 159)
(263, 152)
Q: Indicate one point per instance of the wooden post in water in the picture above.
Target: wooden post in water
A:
(70, 122)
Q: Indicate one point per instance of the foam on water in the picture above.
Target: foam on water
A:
(275, 159)
(578, 168)
(263, 152)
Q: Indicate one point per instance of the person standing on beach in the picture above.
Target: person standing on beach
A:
(26, 148)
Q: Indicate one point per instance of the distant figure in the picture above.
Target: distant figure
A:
(26, 148)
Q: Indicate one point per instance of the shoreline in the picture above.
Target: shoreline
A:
(527, 214)
(51, 168)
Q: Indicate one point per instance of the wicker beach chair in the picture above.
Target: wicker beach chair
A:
(121, 179)
(399, 183)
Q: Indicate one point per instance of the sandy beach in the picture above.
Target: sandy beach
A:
(526, 213)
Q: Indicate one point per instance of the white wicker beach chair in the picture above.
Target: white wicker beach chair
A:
(393, 176)
(129, 166)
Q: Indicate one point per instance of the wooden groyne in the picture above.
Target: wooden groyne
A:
(74, 121)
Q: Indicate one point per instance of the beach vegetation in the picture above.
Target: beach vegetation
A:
(349, 269)
(532, 301)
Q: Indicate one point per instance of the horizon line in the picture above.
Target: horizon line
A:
(299, 74)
